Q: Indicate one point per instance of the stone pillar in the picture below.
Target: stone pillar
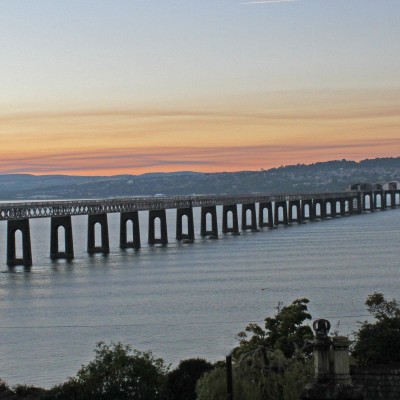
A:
(161, 214)
(392, 199)
(234, 229)
(333, 208)
(132, 216)
(322, 345)
(253, 224)
(322, 207)
(212, 210)
(341, 363)
(331, 384)
(342, 207)
(278, 205)
(180, 213)
(105, 244)
(13, 226)
(65, 223)
(311, 210)
(298, 219)
(261, 222)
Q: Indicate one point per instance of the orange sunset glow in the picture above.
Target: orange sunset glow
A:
(211, 88)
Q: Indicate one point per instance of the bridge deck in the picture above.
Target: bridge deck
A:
(45, 209)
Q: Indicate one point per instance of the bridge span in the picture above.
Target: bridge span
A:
(273, 210)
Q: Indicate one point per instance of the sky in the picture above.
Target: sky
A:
(107, 87)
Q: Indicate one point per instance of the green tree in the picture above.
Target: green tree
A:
(285, 331)
(378, 342)
(270, 363)
(117, 372)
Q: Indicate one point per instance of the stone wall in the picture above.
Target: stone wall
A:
(380, 382)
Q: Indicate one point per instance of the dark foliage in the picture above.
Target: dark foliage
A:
(378, 342)
(181, 382)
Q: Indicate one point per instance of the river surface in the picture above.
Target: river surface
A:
(185, 300)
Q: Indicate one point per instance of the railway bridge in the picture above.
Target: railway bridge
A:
(273, 210)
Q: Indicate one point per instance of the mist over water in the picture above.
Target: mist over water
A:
(184, 300)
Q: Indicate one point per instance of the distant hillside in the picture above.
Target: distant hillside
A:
(318, 177)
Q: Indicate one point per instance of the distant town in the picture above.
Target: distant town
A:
(299, 178)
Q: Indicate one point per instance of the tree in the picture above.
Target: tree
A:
(117, 372)
(269, 363)
(285, 331)
(378, 342)
(181, 382)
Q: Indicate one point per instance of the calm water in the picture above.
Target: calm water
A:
(185, 300)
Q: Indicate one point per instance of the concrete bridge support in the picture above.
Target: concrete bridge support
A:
(332, 203)
(188, 213)
(125, 217)
(55, 225)
(212, 210)
(392, 199)
(379, 194)
(253, 223)
(371, 207)
(13, 226)
(101, 219)
(283, 205)
(311, 213)
(261, 221)
(397, 197)
(234, 229)
(322, 208)
(296, 204)
(342, 206)
(162, 216)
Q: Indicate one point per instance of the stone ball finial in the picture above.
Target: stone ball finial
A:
(321, 327)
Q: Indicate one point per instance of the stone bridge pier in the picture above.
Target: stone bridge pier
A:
(132, 217)
(281, 205)
(162, 216)
(56, 224)
(13, 226)
(100, 219)
(252, 225)
(213, 233)
(226, 228)
(180, 214)
(270, 215)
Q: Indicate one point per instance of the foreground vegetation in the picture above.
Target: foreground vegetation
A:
(270, 363)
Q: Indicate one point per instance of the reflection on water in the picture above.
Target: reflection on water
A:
(184, 300)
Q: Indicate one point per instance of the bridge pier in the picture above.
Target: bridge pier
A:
(162, 216)
(212, 210)
(322, 208)
(261, 221)
(392, 199)
(65, 223)
(180, 213)
(283, 205)
(332, 202)
(234, 229)
(297, 205)
(371, 201)
(101, 219)
(253, 224)
(132, 216)
(311, 213)
(13, 226)
(380, 194)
